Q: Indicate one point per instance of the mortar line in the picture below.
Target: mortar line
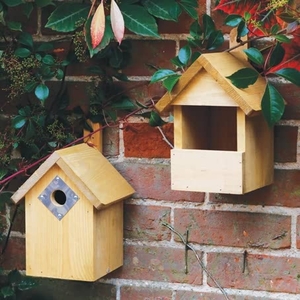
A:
(208, 7)
(294, 232)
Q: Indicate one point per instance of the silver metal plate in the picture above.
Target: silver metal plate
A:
(48, 199)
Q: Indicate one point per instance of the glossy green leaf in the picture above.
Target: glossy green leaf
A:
(46, 46)
(243, 77)
(48, 60)
(30, 129)
(161, 75)
(155, 119)
(175, 11)
(7, 291)
(170, 82)
(42, 3)
(19, 121)
(59, 74)
(193, 3)
(215, 40)
(29, 87)
(277, 55)
(14, 277)
(27, 9)
(233, 20)
(275, 28)
(161, 9)
(66, 15)
(242, 29)
(12, 3)
(26, 39)
(190, 10)
(25, 111)
(176, 62)
(290, 74)
(22, 52)
(255, 56)
(42, 92)
(272, 105)
(282, 38)
(123, 104)
(138, 20)
(208, 25)
(184, 54)
(3, 173)
(287, 17)
(195, 29)
(16, 26)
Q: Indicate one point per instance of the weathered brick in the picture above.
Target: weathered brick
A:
(111, 141)
(285, 143)
(158, 264)
(298, 232)
(142, 293)
(14, 255)
(153, 181)
(155, 53)
(19, 221)
(142, 140)
(262, 272)
(285, 191)
(143, 222)
(237, 229)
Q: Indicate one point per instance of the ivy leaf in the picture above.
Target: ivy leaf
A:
(26, 283)
(255, 56)
(276, 55)
(243, 77)
(272, 105)
(16, 26)
(184, 54)
(42, 92)
(215, 40)
(161, 75)
(138, 20)
(65, 16)
(233, 20)
(162, 9)
(7, 291)
(155, 119)
(22, 52)
(19, 121)
(26, 39)
(170, 82)
(290, 74)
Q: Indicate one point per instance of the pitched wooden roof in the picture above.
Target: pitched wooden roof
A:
(219, 66)
(90, 172)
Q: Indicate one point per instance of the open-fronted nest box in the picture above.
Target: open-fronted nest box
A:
(74, 215)
(222, 142)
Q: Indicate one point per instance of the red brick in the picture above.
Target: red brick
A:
(285, 191)
(153, 181)
(298, 232)
(146, 53)
(145, 222)
(237, 229)
(111, 141)
(142, 140)
(141, 293)
(285, 143)
(263, 272)
(158, 264)
(19, 221)
(14, 255)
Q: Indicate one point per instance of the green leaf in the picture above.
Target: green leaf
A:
(161, 9)
(242, 29)
(215, 40)
(27, 283)
(42, 3)
(16, 26)
(65, 16)
(138, 20)
(195, 29)
(3, 172)
(208, 25)
(22, 52)
(19, 121)
(233, 20)
(26, 39)
(42, 92)
(290, 74)
(170, 82)
(27, 9)
(46, 46)
(190, 10)
(184, 54)
(25, 111)
(243, 78)
(12, 3)
(161, 75)
(7, 291)
(193, 3)
(255, 56)
(29, 87)
(123, 104)
(59, 74)
(14, 277)
(48, 60)
(272, 105)
(275, 28)
(175, 11)
(282, 38)
(155, 119)
(30, 130)
(276, 55)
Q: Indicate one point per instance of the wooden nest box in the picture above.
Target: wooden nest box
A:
(74, 215)
(222, 142)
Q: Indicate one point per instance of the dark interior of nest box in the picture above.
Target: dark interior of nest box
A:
(208, 128)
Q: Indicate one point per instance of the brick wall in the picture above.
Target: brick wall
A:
(265, 223)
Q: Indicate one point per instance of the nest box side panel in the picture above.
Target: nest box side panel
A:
(259, 153)
(59, 248)
(108, 253)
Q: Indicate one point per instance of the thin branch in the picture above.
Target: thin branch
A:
(189, 246)
(164, 137)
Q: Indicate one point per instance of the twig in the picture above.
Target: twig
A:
(164, 137)
(190, 247)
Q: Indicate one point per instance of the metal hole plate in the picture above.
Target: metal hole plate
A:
(59, 211)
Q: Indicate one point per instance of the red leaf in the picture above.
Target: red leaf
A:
(117, 21)
(291, 57)
(98, 25)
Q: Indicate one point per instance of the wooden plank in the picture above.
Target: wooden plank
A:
(221, 65)
(59, 249)
(207, 171)
(203, 90)
(95, 139)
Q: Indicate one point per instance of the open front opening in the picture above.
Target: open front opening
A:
(206, 128)
(59, 197)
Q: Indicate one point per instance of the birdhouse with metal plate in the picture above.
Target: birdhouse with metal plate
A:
(74, 215)
(222, 142)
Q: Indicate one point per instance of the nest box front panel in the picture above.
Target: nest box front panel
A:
(59, 248)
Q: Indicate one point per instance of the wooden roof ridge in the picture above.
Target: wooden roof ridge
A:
(219, 66)
(83, 165)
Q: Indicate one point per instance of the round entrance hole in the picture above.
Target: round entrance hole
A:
(59, 197)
